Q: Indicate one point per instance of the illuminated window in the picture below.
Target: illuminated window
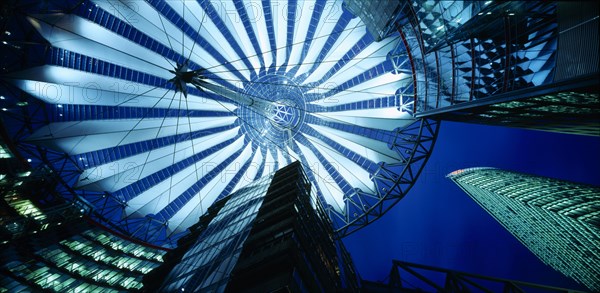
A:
(4, 154)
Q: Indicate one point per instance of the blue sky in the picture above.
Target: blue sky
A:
(438, 224)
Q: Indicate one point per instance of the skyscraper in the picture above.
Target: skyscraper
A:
(558, 221)
(270, 235)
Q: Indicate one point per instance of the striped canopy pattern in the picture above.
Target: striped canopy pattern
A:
(151, 160)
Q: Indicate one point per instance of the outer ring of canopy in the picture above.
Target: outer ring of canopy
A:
(100, 112)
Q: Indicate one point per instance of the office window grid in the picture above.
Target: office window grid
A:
(89, 269)
(103, 255)
(48, 278)
(556, 220)
(108, 240)
(93, 262)
(568, 112)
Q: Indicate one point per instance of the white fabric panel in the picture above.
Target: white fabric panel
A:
(92, 127)
(363, 61)
(347, 39)
(269, 164)
(193, 215)
(230, 16)
(331, 13)
(184, 218)
(329, 189)
(371, 149)
(388, 118)
(227, 175)
(146, 19)
(384, 85)
(255, 12)
(78, 137)
(76, 34)
(281, 159)
(60, 85)
(279, 14)
(118, 174)
(143, 17)
(138, 14)
(355, 175)
(251, 172)
(211, 33)
(160, 195)
(293, 155)
(303, 17)
(386, 113)
(382, 90)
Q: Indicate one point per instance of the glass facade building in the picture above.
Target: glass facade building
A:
(207, 265)
(378, 16)
(48, 244)
(91, 261)
(558, 221)
(270, 235)
(569, 112)
(493, 63)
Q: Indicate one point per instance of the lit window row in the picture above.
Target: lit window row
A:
(89, 269)
(569, 245)
(52, 279)
(4, 154)
(100, 254)
(24, 207)
(125, 246)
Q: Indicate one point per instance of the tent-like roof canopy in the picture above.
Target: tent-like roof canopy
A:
(102, 107)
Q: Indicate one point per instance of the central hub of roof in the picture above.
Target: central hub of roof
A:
(286, 111)
(286, 114)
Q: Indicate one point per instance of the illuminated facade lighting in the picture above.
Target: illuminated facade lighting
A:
(557, 220)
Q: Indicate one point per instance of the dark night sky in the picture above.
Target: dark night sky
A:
(438, 224)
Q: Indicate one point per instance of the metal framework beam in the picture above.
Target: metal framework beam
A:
(409, 277)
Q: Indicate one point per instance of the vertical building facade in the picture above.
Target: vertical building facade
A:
(47, 243)
(378, 16)
(558, 221)
(268, 236)
(526, 64)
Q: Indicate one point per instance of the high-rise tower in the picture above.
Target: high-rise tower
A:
(267, 236)
(558, 221)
